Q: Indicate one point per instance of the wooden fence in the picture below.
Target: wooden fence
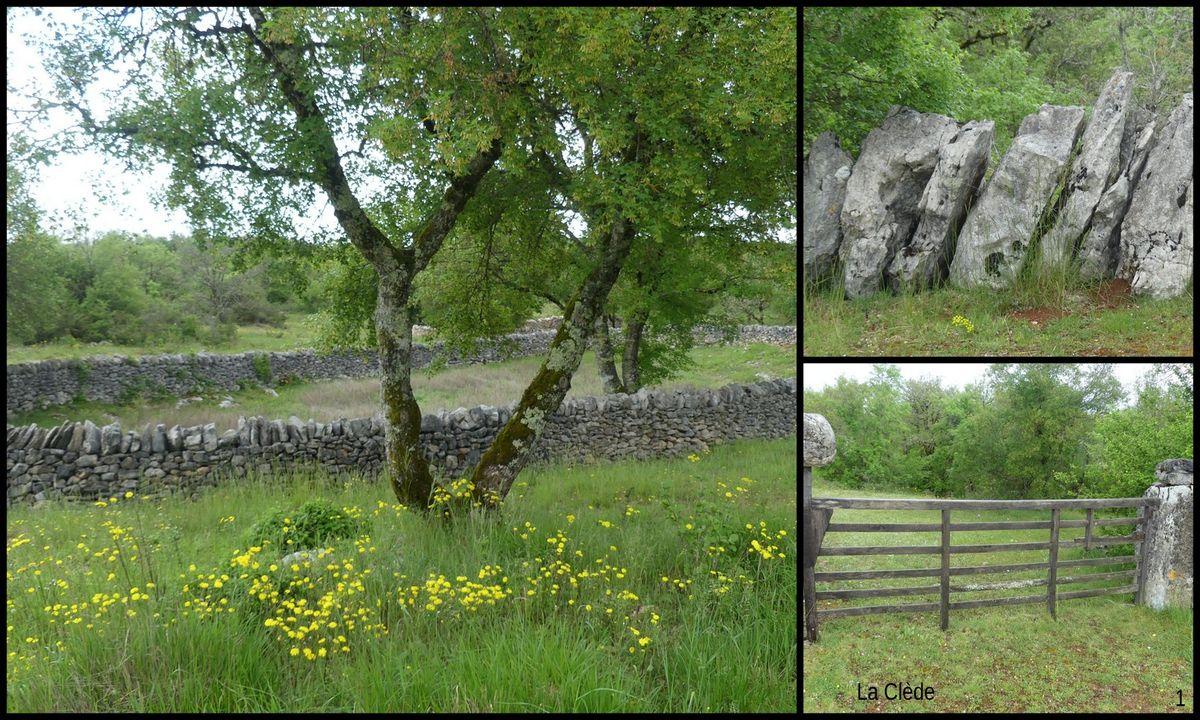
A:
(817, 513)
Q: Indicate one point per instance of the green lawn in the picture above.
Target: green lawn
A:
(466, 386)
(1054, 321)
(997, 659)
(160, 605)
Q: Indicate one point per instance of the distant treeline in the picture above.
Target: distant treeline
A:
(1025, 431)
(132, 290)
(128, 289)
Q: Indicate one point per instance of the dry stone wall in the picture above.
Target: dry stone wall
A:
(112, 379)
(84, 461)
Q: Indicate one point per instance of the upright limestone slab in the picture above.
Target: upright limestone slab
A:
(885, 188)
(1156, 236)
(1165, 556)
(996, 236)
(826, 170)
(923, 260)
(1098, 251)
(1092, 172)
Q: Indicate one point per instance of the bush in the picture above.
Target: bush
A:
(307, 527)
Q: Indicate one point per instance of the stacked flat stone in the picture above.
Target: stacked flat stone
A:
(83, 461)
(106, 379)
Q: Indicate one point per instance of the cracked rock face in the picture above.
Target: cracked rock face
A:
(1096, 167)
(826, 171)
(994, 241)
(923, 261)
(1098, 251)
(884, 192)
(1156, 235)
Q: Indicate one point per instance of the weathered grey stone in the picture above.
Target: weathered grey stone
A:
(882, 196)
(820, 446)
(1165, 556)
(826, 171)
(1098, 251)
(995, 239)
(76, 441)
(86, 461)
(1174, 472)
(1156, 235)
(158, 441)
(1096, 167)
(923, 261)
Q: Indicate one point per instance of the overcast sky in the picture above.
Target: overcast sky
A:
(820, 375)
(67, 188)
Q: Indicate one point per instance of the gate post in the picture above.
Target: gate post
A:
(1164, 557)
(820, 447)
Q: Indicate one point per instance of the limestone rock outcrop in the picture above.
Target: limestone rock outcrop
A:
(1098, 250)
(1156, 235)
(826, 170)
(820, 446)
(880, 211)
(995, 239)
(1096, 167)
(923, 261)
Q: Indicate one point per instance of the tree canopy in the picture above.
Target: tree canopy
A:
(1025, 431)
(984, 63)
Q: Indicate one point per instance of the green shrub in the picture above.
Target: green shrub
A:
(307, 527)
(262, 367)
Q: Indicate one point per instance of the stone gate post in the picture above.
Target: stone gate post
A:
(1165, 555)
(820, 447)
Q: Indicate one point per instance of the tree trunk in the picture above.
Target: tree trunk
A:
(509, 453)
(604, 358)
(633, 345)
(406, 463)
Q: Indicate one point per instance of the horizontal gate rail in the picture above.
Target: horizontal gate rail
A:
(891, 504)
(881, 592)
(986, 569)
(935, 527)
(969, 604)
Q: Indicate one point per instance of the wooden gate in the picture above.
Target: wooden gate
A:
(819, 511)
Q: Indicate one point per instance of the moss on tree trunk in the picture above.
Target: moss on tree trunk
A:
(510, 451)
(406, 463)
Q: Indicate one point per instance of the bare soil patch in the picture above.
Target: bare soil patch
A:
(1113, 293)
(1038, 316)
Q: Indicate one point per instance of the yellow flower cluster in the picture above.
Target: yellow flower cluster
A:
(965, 324)
(766, 550)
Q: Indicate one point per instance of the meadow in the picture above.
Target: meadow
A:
(1061, 317)
(662, 585)
(451, 387)
(1101, 654)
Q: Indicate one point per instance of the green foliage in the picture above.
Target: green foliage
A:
(307, 527)
(984, 63)
(261, 362)
(1035, 430)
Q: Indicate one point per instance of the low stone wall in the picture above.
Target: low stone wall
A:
(84, 461)
(113, 379)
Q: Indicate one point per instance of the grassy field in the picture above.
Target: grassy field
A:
(466, 386)
(295, 333)
(596, 588)
(1101, 654)
(1063, 319)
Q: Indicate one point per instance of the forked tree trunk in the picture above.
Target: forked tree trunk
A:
(633, 344)
(604, 358)
(509, 453)
(408, 468)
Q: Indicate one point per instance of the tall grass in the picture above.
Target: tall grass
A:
(722, 629)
